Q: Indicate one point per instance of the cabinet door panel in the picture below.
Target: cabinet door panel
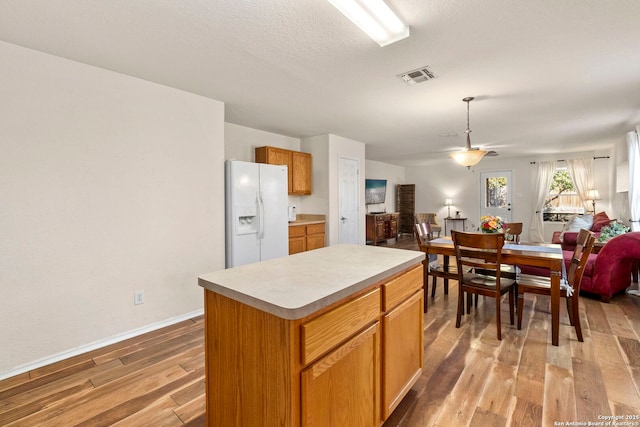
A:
(301, 173)
(297, 244)
(342, 389)
(315, 241)
(393, 229)
(402, 351)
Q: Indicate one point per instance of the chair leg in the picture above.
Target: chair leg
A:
(570, 310)
(575, 309)
(446, 286)
(469, 302)
(460, 306)
(433, 287)
(511, 301)
(498, 322)
(520, 308)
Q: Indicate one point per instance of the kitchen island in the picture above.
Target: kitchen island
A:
(327, 337)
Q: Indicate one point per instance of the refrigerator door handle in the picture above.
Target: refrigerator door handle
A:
(261, 217)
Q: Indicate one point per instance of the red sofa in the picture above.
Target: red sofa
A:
(609, 271)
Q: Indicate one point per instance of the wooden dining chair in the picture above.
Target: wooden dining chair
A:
(429, 218)
(445, 271)
(512, 231)
(571, 290)
(482, 252)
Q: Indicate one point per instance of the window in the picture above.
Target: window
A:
(496, 192)
(562, 200)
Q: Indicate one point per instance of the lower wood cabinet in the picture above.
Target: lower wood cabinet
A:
(402, 354)
(349, 364)
(349, 370)
(306, 237)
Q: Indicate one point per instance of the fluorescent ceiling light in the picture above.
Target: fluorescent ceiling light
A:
(375, 18)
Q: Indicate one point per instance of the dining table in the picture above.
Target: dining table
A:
(546, 255)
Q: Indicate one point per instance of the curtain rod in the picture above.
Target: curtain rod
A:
(563, 160)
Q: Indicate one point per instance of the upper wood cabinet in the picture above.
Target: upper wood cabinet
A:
(300, 173)
(298, 163)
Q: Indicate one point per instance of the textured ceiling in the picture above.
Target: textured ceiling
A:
(549, 76)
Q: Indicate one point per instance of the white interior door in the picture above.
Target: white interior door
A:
(349, 199)
(495, 194)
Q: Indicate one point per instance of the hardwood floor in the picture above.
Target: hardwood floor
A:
(469, 379)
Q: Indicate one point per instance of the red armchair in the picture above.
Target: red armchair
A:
(612, 267)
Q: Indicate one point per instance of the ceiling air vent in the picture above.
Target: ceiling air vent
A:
(419, 75)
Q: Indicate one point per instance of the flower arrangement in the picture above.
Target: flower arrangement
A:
(612, 230)
(491, 224)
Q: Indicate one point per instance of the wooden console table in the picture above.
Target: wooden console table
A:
(454, 220)
(382, 226)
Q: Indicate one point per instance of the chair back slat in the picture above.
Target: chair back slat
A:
(584, 246)
(423, 232)
(479, 251)
(513, 230)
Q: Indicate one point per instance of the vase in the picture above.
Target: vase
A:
(484, 230)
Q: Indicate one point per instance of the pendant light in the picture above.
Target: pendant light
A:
(470, 156)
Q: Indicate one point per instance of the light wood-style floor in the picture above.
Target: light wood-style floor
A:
(469, 379)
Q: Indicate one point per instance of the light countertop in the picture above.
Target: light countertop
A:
(307, 219)
(295, 286)
(305, 222)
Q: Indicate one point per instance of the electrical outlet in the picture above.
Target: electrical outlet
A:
(138, 297)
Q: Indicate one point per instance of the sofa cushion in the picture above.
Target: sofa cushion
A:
(600, 220)
(575, 224)
(578, 222)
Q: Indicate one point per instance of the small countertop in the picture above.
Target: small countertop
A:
(295, 286)
(305, 222)
(308, 219)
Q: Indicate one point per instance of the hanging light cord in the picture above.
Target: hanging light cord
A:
(468, 131)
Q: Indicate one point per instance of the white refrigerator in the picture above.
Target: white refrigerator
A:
(256, 211)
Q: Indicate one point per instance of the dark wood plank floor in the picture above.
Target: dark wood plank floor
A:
(469, 379)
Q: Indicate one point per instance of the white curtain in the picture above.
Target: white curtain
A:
(545, 172)
(581, 171)
(634, 178)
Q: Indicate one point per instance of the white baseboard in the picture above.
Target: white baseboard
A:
(97, 344)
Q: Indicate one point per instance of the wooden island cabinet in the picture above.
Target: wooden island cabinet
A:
(331, 337)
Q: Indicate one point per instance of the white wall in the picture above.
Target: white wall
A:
(319, 200)
(240, 143)
(394, 175)
(620, 188)
(108, 184)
